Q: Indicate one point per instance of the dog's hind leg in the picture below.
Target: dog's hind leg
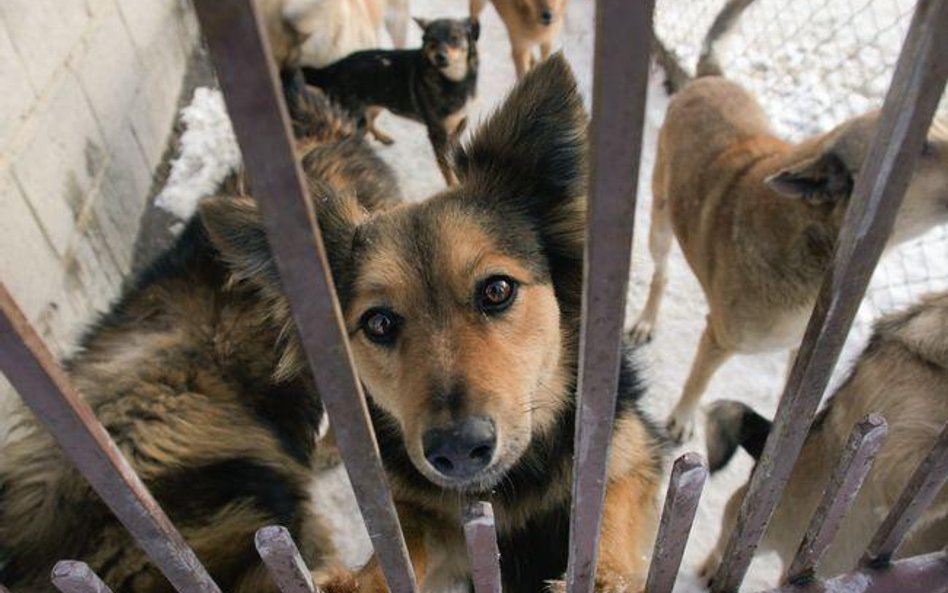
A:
(370, 114)
(659, 244)
(711, 355)
(476, 6)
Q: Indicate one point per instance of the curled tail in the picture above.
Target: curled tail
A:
(731, 425)
(315, 118)
(708, 64)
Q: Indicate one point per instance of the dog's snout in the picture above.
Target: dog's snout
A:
(461, 450)
(546, 17)
(441, 58)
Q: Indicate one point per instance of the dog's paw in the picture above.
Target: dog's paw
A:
(641, 332)
(708, 569)
(680, 426)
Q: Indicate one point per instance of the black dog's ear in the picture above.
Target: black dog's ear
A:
(423, 23)
(473, 28)
(819, 178)
(533, 147)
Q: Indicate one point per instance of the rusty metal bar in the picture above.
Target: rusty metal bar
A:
(282, 559)
(47, 390)
(851, 470)
(921, 490)
(72, 576)
(919, 574)
(481, 537)
(246, 73)
(681, 503)
(618, 116)
(909, 106)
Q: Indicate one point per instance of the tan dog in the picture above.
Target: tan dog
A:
(529, 23)
(318, 32)
(757, 219)
(902, 375)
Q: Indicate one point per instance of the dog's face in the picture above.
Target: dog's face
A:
(543, 12)
(449, 45)
(462, 311)
(826, 170)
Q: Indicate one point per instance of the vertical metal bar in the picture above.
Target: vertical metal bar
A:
(45, 388)
(909, 105)
(921, 490)
(619, 91)
(481, 537)
(72, 576)
(282, 559)
(851, 470)
(245, 69)
(681, 503)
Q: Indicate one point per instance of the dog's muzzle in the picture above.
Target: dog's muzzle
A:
(546, 17)
(441, 59)
(462, 450)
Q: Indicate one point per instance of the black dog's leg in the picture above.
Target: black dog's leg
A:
(440, 142)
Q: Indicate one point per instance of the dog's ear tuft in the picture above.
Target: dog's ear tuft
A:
(473, 28)
(423, 23)
(535, 143)
(822, 178)
(236, 230)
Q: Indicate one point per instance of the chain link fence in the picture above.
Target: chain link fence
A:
(812, 64)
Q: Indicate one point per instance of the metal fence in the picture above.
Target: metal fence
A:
(249, 83)
(814, 64)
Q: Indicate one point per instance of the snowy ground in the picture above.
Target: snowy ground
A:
(802, 100)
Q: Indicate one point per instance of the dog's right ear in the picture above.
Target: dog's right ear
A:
(423, 23)
(819, 178)
(533, 148)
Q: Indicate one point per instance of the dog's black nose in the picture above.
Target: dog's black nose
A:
(461, 450)
(441, 59)
(546, 17)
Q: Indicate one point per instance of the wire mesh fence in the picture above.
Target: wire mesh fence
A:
(814, 64)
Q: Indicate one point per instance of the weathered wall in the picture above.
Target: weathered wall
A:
(88, 94)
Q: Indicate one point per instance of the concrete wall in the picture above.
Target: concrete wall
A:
(88, 95)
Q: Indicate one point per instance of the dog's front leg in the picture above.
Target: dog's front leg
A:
(629, 522)
(438, 136)
(370, 578)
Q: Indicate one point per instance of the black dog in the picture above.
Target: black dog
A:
(432, 84)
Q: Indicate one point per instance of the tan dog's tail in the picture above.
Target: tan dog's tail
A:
(708, 65)
(730, 425)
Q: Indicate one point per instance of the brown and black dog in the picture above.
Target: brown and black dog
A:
(530, 23)
(463, 314)
(194, 374)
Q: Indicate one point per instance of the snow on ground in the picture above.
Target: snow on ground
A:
(813, 63)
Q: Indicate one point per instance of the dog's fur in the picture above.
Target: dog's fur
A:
(529, 23)
(433, 84)
(758, 217)
(319, 32)
(517, 213)
(194, 374)
(902, 375)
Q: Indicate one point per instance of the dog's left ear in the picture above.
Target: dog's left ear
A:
(531, 152)
(473, 28)
(819, 178)
(423, 23)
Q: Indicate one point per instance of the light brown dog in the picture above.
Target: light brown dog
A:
(318, 32)
(902, 375)
(757, 219)
(529, 23)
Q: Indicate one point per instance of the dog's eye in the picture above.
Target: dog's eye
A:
(496, 294)
(380, 325)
